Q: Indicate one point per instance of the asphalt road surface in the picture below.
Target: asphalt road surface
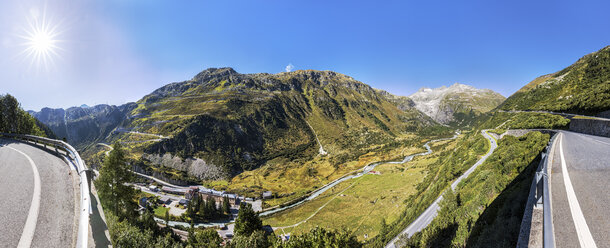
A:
(580, 184)
(428, 215)
(37, 197)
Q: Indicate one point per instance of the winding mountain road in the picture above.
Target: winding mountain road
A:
(38, 197)
(428, 215)
(580, 168)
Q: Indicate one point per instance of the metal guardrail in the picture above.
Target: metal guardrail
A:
(543, 197)
(85, 201)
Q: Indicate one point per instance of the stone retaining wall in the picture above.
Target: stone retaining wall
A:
(590, 126)
(605, 114)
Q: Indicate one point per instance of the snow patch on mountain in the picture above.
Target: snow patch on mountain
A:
(441, 103)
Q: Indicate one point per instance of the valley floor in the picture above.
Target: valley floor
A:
(360, 204)
(291, 180)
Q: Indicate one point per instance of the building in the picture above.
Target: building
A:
(183, 202)
(153, 188)
(165, 200)
(233, 199)
(219, 196)
(204, 193)
(191, 192)
(267, 195)
(172, 190)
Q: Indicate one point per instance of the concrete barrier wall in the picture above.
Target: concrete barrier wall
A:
(591, 126)
(605, 114)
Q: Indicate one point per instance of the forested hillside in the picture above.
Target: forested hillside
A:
(14, 120)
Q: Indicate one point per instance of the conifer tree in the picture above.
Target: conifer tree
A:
(116, 195)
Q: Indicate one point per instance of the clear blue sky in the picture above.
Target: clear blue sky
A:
(117, 51)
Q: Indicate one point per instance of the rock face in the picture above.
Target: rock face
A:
(456, 103)
(402, 102)
(83, 125)
(194, 167)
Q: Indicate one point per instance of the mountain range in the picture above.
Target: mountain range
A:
(84, 125)
(290, 133)
(231, 122)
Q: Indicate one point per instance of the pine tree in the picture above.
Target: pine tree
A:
(14, 120)
(196, 202)
(148, 221)
(167, 219)
(211, 208)
(189, 209)
(207, 238)
(203, 210)
(226, 206)
(10, 112)
(247, 221)
(191, 233)
(115, 195)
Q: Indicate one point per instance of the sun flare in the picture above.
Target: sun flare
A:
(40, 41)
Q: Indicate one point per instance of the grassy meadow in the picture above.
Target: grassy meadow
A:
(360, 204)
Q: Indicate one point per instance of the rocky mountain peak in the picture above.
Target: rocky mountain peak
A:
(459, 86)
(443, 102)
(214, 72)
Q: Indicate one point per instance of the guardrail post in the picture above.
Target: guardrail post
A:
(539, 181)
(89, 173)
(539, 189)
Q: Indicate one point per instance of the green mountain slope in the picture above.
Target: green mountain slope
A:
(221, 123)
(582, 88)
(240, 121)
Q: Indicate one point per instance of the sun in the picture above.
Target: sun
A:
(40, 40)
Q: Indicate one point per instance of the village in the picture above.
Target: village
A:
(170, 204)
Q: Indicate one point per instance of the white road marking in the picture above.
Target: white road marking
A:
(30, 224)
(582, 230)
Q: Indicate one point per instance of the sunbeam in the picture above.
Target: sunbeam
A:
(40, 40)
